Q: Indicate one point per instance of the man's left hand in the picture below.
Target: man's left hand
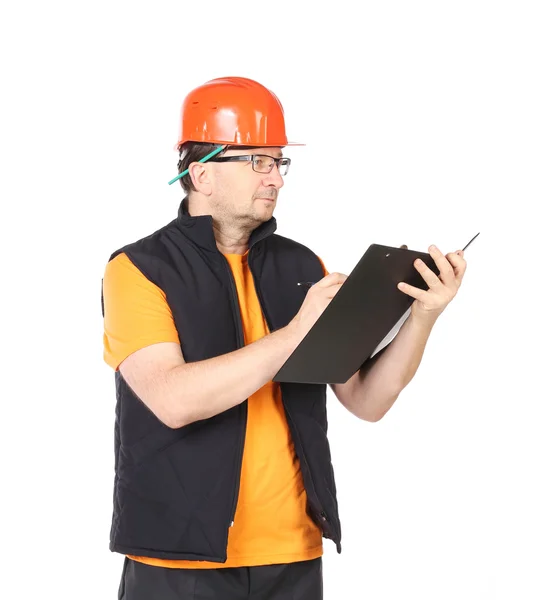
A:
(432, 302)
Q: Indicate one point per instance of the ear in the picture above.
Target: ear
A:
(200, 176)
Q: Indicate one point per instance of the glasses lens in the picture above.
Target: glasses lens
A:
(263, 164)
(283, 166)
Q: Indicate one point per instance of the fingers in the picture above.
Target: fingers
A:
(427, 274)
(451, 271)
(412, 291)
(445, 268)
(331, 279)
(458, 263)
(332, 290)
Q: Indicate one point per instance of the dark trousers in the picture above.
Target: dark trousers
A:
(293, 581)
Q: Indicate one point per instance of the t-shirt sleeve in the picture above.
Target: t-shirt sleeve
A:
(326, 272)
(136, 313)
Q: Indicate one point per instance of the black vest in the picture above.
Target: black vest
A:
(176, 490)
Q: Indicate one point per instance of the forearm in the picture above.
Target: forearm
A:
(372, 391)
(200, 390)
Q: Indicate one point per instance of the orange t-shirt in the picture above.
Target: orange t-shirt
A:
(271, 524)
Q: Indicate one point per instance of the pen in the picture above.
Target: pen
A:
(309, 284)
(470, 241)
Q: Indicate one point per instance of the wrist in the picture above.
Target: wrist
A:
(424, 319)
(292, 334)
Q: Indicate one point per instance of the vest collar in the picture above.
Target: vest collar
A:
(200, 230)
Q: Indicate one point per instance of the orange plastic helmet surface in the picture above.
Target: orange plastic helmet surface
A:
(233, 110)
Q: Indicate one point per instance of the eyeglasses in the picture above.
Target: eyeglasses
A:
(261, 163)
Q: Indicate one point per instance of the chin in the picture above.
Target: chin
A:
(262, 216)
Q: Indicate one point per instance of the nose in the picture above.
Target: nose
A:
(273, 178)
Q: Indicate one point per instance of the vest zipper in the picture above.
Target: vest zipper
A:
(322, 515)
(240, 340)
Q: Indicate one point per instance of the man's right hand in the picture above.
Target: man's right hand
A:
(180, 393)
(317, 299)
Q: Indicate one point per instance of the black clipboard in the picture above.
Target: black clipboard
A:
(366, 311)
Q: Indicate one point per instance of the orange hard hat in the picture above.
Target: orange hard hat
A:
(234, 111)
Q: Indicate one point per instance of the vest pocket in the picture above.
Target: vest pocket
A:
(154, 442)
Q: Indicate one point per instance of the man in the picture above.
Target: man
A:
(223, 480)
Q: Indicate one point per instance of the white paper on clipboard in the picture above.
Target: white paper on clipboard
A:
(392, 333)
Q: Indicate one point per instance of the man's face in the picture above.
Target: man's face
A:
(240, 194)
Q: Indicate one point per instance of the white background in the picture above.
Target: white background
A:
(424, 123)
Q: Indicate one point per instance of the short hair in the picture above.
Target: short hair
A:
(191, 152)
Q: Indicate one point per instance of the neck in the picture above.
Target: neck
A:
(229, 238)
(232, 236)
